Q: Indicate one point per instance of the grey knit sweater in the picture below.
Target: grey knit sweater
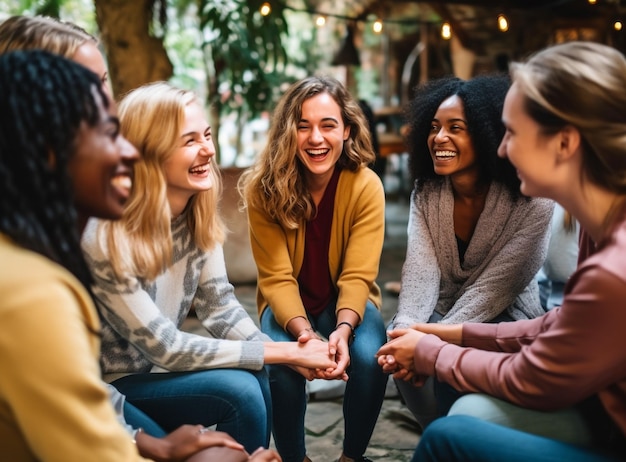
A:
(507, 249)
(141, 321)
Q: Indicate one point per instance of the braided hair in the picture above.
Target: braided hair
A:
(44, 99)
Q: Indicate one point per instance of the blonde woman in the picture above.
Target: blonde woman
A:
(316, 216)
(163, 257)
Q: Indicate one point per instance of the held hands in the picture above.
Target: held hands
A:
(339, 349)
(396, 356)
(313, 353)
(334, 350)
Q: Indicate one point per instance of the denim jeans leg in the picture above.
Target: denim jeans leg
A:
(468, 439)
(366, 385)
(288, 398)
(237, 400)
(567, 425)
(136, 418)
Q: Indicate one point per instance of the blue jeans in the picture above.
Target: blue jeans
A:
(364, 393)
(462, 438)
(136, 418)
(568, 425)
(434, 398)
(237, 400)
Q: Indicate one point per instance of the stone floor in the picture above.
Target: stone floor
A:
(396, 433)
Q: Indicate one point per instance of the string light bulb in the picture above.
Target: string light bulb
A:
(265, 9)
(377, 27)
(320, 21)
(503, 23)
(618, 25)
(446, 31)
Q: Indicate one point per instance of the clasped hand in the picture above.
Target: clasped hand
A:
(396, 356)
(337, 350)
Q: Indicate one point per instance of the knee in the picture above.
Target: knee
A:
(246, 391)
(477, 405)
(436, 439)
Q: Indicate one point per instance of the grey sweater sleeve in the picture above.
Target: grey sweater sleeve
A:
(420, 271)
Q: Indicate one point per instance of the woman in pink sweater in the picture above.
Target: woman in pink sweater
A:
(565, 118)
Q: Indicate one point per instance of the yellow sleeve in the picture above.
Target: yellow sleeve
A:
(276, 256)
(53, 403)
(357, 240)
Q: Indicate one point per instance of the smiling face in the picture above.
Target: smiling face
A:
(449, 141)
(531, 152)
(102, 167)
(188, 169)
(321, 134)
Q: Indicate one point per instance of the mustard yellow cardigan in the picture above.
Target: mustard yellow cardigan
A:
(53, 403)
(356, 241)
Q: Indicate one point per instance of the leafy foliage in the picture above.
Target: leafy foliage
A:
(246, 50)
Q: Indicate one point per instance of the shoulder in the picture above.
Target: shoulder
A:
(536, 206)
(363, 177)
(359, 188)
(27, 277)
(610, 252)
(90, 241)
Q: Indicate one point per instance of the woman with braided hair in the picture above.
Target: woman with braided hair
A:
(70, 41)
(61, 161)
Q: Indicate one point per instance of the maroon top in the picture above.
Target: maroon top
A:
(316, 286)
(557, 360)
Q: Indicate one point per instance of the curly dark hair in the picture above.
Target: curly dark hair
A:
(44, 98)
(483, 98)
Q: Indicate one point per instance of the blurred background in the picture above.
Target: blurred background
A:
(240, 55)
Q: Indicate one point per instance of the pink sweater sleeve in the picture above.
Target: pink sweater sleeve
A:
(547, 363)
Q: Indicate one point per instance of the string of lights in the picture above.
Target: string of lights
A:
(377, 23)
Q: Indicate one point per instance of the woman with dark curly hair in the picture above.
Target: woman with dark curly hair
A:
(317, 217)
(565, 118)
(474, 242)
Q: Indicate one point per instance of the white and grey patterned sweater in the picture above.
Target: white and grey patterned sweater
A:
(141, 321)
(507, 249)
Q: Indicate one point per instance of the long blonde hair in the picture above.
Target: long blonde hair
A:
(276, 182)
(42, 32)
(141, 243)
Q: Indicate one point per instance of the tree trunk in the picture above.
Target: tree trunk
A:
(134, 56)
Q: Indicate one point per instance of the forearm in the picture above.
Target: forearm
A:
(153, 448)
(451, 333)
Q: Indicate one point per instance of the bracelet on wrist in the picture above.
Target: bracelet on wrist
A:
(352, 334)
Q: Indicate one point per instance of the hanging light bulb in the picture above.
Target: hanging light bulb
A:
(320, 21)
(265, 9)
(618, 25)
(377, 27)
(593, 2)
(446, 31)
(503, 23)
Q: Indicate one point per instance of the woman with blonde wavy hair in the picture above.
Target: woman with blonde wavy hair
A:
(164, 256)
(316, 215)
